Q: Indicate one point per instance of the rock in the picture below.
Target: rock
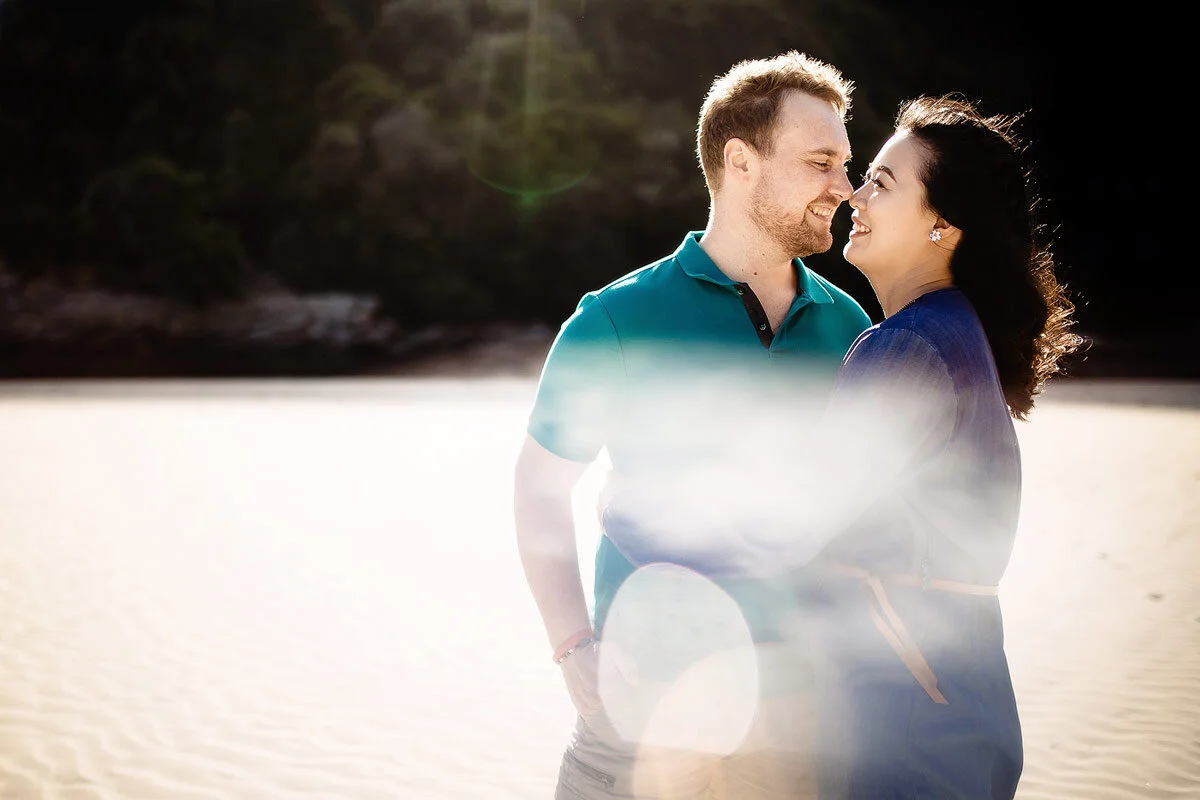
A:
(48, 330)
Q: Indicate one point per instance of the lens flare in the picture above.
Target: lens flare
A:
(533, 131)
(681, 671)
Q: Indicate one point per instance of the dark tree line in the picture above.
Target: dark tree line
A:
(462, 160)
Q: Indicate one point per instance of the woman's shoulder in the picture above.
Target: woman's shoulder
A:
(941, 317)
(943, 322)
(926, 328)
(890, 342)
(948, 305)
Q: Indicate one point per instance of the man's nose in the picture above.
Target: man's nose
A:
(855, 197)
(843, 189)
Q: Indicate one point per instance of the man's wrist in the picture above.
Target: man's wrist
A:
(575, 641)
(586, 641)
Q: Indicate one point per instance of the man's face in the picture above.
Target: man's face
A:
(804, 180)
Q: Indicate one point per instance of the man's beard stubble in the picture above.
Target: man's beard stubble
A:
(798, 237)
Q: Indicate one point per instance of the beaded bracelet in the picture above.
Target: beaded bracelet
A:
(582, 643)
(571, 641)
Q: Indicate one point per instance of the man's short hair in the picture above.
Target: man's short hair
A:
(744, 104)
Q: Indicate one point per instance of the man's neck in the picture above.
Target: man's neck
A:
(746, 256)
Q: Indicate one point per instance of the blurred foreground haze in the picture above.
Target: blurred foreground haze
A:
(279, 589)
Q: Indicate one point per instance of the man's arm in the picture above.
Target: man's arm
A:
(570, 423)
(546, 539)
(546, 542)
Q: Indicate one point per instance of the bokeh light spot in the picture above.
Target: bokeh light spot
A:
(681, 670)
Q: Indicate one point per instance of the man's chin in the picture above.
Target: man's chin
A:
(814, 244)
(801, 242)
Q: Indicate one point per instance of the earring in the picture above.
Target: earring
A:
(935, 235)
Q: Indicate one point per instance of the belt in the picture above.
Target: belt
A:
(888, 622)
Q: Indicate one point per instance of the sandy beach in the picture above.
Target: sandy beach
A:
(310, 589)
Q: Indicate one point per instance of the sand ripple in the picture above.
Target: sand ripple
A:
(311, 590)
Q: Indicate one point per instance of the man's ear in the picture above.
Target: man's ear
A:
(740, 159)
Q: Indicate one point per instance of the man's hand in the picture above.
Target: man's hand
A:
(581, 673)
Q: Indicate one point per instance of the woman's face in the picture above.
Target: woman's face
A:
(891, 223)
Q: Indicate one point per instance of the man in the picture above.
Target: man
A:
(704, 362)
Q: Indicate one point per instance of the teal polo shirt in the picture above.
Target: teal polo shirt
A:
(674, 367)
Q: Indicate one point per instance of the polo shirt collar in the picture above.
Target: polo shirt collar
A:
(696, 263)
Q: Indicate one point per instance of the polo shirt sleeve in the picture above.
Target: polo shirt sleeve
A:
(575, 406)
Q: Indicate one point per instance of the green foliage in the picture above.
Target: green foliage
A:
(418, 40)
(357, 93)
(460, 159)
(152, 218)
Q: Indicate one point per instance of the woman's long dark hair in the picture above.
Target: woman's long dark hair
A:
(975, 180)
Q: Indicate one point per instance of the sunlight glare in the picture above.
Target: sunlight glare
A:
(682, 670)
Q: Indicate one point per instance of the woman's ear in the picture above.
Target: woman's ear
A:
(944, 232)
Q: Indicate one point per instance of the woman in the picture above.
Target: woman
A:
(916, 469)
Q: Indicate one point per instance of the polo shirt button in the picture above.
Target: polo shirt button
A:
(762, 326)
(740, 290)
